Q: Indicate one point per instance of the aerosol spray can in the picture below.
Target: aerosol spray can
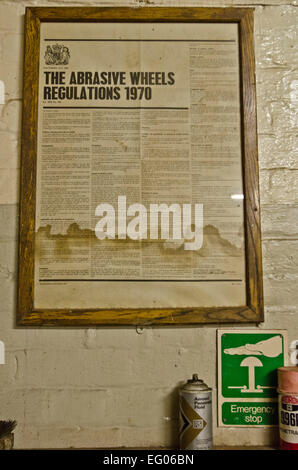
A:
(195, 415)
(288, 407)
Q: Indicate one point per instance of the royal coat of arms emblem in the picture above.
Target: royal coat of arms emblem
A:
(58, 54)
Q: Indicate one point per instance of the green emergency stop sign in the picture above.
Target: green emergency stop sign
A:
(247, 376)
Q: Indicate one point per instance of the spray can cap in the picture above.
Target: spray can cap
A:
(195, 379)
(195, 384)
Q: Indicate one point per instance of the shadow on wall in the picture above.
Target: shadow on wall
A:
(171, 402)
(273, 434)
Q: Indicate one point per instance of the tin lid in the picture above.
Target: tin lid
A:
(288, 379)
(196, 384)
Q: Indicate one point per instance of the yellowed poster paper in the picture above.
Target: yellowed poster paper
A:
(134, 118)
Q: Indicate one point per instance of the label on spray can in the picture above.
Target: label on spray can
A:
(195, 415)
(288, 421)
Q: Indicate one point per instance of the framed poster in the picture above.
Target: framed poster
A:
(139, 174)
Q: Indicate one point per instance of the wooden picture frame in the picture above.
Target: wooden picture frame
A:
(252, 310)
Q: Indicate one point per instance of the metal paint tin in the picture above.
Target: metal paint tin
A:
(288, 407)
(195, 415)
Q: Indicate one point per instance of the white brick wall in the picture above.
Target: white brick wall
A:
(116, 387)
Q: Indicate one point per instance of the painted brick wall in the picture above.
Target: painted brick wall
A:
(118, 387)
